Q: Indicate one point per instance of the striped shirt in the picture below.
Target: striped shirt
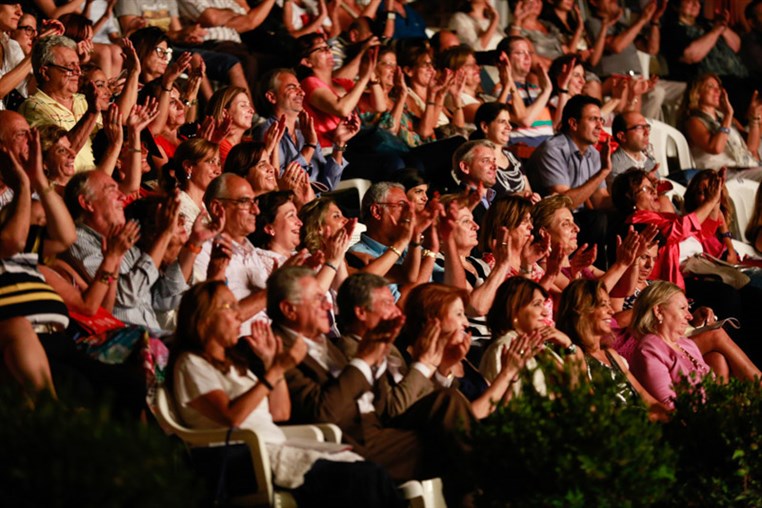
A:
(193, 9)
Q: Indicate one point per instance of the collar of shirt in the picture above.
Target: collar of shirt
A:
(574, 149)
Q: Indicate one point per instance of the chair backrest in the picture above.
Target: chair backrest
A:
(669, 142)
(742, 192)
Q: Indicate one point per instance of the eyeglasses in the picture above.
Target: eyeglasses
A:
(69, 71)
(242, 203)
(163, 53)
(321, 49)
(647, 188)
(403, 204)
(639, 127)
(30, 30)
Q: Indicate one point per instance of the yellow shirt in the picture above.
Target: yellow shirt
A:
(41, 109)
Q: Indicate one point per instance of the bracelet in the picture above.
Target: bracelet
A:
(339, 148)
(726, 234)
(431, 103)
(429, 253)
(134, 150)
(458, 108)
(310, 145)
(190, 104)
(724, 130)
(265, 382)
(196, 249)
(570, 350)
(656, 24)
(374, 83)
(525, 271)
(396, 251)
(391, 15)
(331, 265)
(105, 277)
(563, 90)
(516, 28)
(47, 190)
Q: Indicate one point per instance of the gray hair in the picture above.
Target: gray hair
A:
(283, 285)
(377, 194)
(356, 291)
(42, 52)
(465, 152)
(77, 186)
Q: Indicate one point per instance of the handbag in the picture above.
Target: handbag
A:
(703, 264)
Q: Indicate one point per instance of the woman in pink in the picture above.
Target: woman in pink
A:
(715, 237)
(635, 196)
(330, 99)
(664, 355)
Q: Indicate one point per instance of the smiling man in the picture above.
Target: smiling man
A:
(283, 96)
(569, 164)
(56, 68)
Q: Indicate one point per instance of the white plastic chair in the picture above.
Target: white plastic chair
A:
(645, 64)
(742, 192)
(266, 494)
(669, 142)
(362, 185)
(423, 494)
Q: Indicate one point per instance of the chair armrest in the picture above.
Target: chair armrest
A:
(331, 432)
(302, 432)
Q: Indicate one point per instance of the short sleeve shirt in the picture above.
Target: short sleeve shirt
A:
(558, 161)
(157, 13)
(193, 9)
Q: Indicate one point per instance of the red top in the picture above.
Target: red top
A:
(325, 123)
(674, 228)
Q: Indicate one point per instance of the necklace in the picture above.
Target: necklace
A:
(690, 357)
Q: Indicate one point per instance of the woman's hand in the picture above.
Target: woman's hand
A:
(534, 251)
(428, 348)
(514, 356)
(112, 125)
(501, 247)
(554, 335)
(566, 74)
(264, 343)
(215, 131)
(583, 258)
(347, 129)
(725, 107)
(141, 116)
(130, 55)
(275, 133)
(175, 69)
(703, 316)
(456, 345)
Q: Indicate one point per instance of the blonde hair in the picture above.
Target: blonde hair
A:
(543, 211)
(643, 317)
(49, 136)
(694, 93)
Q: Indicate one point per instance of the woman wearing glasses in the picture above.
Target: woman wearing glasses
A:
(330, 99)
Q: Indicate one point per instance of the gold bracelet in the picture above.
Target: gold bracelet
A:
(396, 251)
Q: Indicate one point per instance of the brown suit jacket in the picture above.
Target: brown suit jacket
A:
(392, 398)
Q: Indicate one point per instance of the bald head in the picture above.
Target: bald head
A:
(14, 134)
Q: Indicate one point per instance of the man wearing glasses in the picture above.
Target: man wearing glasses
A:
(230, 200)
(56, 67)
(631, 131)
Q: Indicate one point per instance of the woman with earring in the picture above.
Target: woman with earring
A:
(664, 355)
(195, 165)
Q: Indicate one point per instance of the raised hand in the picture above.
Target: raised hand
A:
(307, 126)
(533, 251)
(501, 247)
(51, 27)
(141, 116)
(428, 348)
(131, 60)
(169, 212)
(265, 344)
(219, 259)
(347, 129)
(175, 69)
(376, 343)
(205, 228)
(583, 258)
(627, 250)
(112, 125)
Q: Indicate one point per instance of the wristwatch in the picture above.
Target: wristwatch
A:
(572, 349)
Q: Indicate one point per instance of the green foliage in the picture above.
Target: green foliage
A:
(54, 457)
(577, 448)
(716, 431)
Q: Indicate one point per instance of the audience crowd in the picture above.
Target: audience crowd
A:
(349, 212)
